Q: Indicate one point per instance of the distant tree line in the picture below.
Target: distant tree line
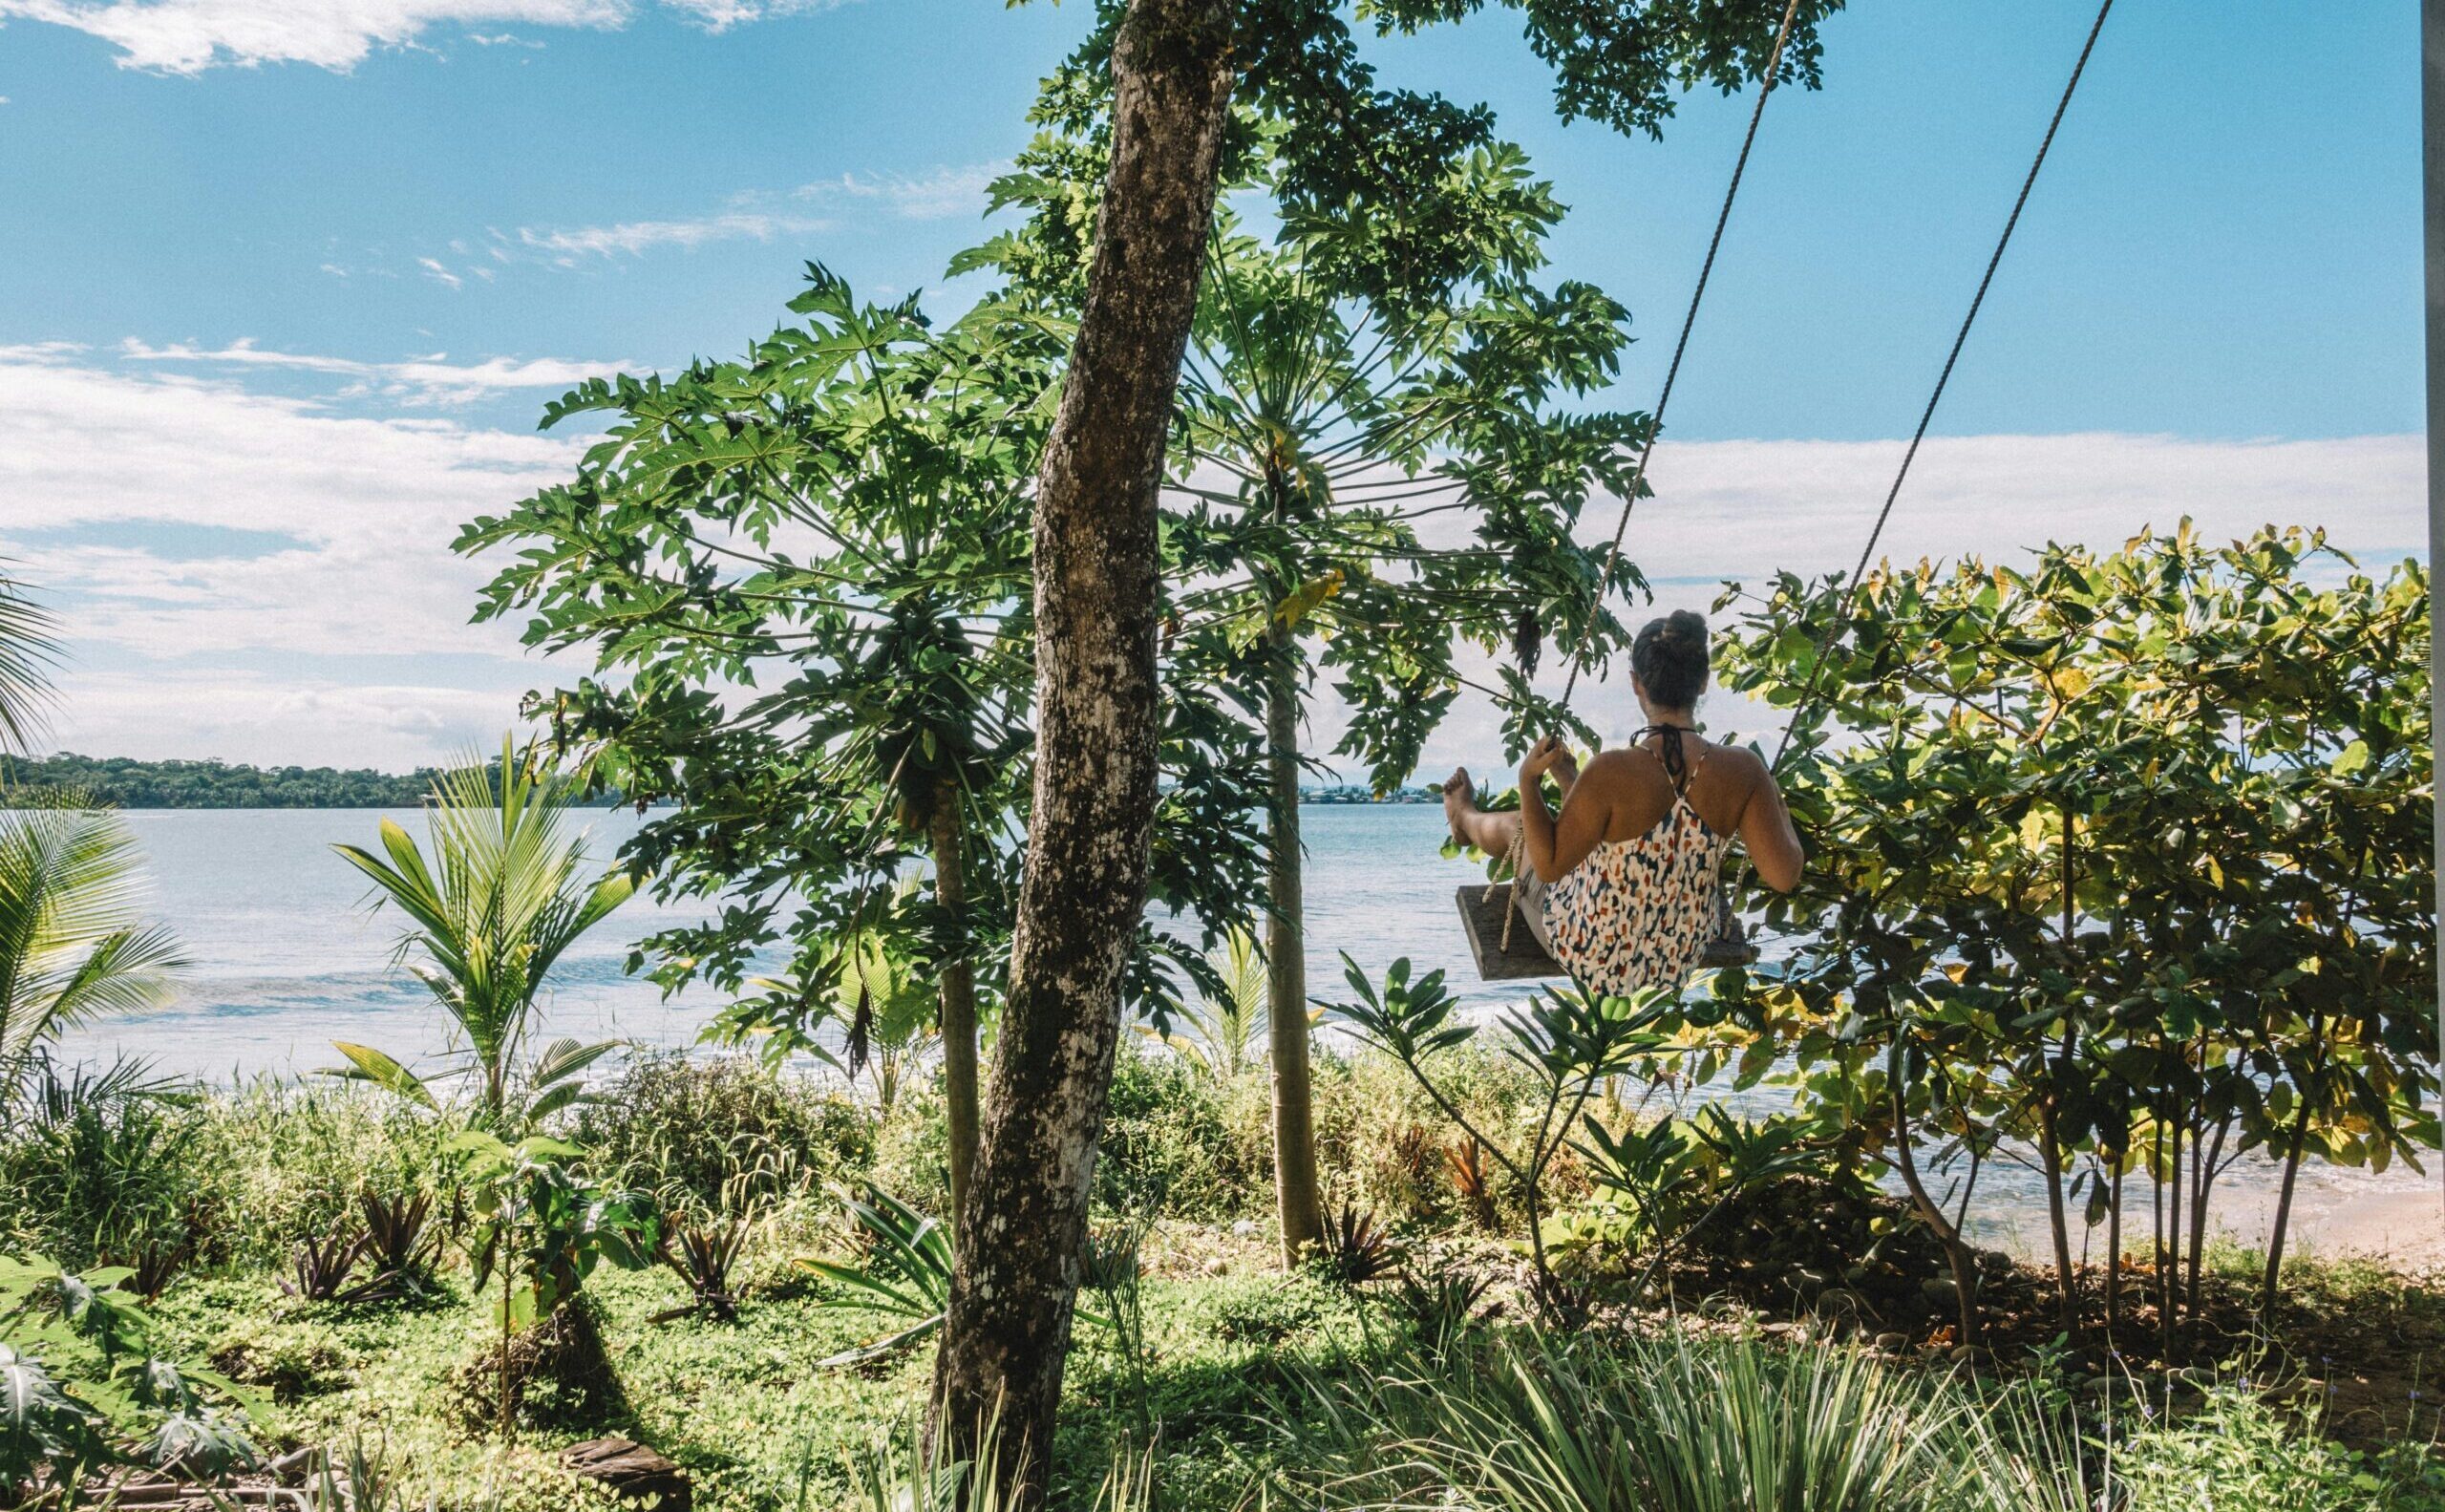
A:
(124, 782)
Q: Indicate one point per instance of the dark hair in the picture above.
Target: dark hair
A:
(1669, 657)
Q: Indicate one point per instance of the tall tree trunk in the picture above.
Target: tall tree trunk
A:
(2295, 1146)
(1297, 1197)
(2050, 1151)
(1097, 580)
(2114, 1250)
(958, 995)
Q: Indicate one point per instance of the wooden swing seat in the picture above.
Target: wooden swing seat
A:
(1481, 915)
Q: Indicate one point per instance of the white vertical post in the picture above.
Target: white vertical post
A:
(2432, 110)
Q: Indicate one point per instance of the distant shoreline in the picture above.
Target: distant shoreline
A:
(123, 782)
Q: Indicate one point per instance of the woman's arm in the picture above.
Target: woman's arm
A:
(1767, 834)
(1554, 847)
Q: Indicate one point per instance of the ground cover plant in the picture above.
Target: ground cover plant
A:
(1232, 1375)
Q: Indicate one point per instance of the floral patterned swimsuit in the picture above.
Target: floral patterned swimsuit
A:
(1637, 912)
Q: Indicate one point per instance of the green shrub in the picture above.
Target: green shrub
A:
(689, 1126)
(284, 1162)
(1171, 1142)
(1270, 1309)
(2239, 1454)
(103, 1168)
(1382, 1142)
(912, 1149)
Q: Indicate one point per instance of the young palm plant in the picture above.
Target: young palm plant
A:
(27, 647)
(1224, 1033)
(500, 899)
(73, 946)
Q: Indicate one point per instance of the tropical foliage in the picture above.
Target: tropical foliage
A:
(503, 895)
(74, 945)
(808, 570)
(83, 1388)
(2122, 858)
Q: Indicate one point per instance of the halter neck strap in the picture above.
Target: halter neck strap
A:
(1669, 751)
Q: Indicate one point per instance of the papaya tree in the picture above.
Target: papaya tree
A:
(1152, 92)
(1382, 450)
(803, 580)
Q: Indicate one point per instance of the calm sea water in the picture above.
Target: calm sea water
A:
(288, 952)
(289, 956)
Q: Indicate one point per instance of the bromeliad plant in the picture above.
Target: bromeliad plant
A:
(1570, 1041)
(501, 896)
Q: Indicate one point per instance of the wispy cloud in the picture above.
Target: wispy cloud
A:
(188, 37)
(417, 380)
(636, 238)
(761, 215)
(943, 193)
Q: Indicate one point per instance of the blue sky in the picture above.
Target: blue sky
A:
(285, 289)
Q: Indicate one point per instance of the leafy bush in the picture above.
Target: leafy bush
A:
(677, 1125)
(1170, 1142)
(2238, 1454)
(102, 1167)
(294, 1159)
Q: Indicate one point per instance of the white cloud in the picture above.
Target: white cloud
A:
(722, 15)
(417, 380)
(943, 193)
(757, 215)
(42, 353)
(343, 636)
(440, 274)
(360, 513)
(188, 37)
(270, 720)
(635, 238)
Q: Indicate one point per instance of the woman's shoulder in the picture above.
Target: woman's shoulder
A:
(1736, 761)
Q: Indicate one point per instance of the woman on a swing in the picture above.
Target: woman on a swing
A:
(1621, 890)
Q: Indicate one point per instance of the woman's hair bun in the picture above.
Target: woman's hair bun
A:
(1669, 658)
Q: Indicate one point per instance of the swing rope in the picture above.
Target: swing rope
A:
(1926, 417)
(1727, 924)
(1655, 421)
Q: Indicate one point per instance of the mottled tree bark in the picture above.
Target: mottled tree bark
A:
(958, 1016)
(1097, 580)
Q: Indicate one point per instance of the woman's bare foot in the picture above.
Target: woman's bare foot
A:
(1460, 803)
